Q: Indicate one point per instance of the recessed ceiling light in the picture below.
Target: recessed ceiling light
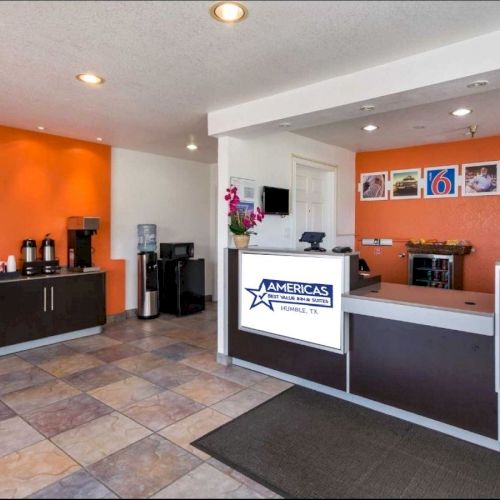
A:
(461, 112)
(370, 128)
(228, 12)
(90, 78)
(98, 139)
(367, 107)
(192, 147)
(285, 124)
(478, 83)
(418, 127)
(41, 127)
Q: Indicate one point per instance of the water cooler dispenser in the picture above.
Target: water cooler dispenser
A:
(148, 295)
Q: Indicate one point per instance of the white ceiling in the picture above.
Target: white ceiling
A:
(167, 64)
(397, 128)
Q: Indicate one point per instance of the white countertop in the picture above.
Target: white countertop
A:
(434, 307)
(479, 303)
(294, 251)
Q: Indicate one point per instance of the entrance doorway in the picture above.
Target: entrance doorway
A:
(314, 199)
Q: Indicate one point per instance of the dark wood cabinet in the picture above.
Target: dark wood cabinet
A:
(23, 311)
(42, 307)
(441, 374)
(78, 302)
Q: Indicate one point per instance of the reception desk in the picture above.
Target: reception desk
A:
(425, 355)
(427, 351)
(326, 364)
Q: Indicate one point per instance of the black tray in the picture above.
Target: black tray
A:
(9, 276)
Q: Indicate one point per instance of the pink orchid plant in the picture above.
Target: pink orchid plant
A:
(241, 221)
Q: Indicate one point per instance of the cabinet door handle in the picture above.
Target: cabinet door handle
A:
(51, 298)
(44, 299)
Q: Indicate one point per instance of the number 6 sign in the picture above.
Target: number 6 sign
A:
(441, 182)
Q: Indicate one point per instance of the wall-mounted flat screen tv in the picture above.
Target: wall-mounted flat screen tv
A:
(275, 201)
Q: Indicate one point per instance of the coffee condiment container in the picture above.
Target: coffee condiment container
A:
(11, 264)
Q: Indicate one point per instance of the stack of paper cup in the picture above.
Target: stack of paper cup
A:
(11, 264)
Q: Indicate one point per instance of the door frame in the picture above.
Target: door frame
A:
(331, 195)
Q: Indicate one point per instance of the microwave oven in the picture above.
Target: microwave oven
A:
(173, 251)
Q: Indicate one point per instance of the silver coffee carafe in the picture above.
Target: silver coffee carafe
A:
(48, 249)
(28, 250)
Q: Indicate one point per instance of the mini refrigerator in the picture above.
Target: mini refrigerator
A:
(182, 286)
(436, 270)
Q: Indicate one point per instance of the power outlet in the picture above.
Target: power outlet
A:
(384, 242)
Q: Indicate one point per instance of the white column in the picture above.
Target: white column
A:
(222, 243)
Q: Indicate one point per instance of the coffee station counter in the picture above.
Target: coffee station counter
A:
(63, 273)
(44, 309)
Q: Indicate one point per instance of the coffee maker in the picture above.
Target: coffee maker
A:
(80, 232)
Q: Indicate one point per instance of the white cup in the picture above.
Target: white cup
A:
(11, 264)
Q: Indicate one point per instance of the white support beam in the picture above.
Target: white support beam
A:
(452, 62)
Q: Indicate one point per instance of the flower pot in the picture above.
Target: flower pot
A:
(241, 240)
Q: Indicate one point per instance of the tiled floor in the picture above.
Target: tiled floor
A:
(113, 415)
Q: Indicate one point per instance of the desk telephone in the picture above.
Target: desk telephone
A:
(342, 250)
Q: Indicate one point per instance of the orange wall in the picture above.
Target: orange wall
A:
(469, 218)
(45, 179)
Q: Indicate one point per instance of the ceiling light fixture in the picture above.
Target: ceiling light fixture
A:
(192, 147)
(461, 112)
(418, 127)
(370, 128)
(98, 139)
(90, 78)
(478, 83)
(285, 124)
(228, 12)
(367, 107)
(41, 127)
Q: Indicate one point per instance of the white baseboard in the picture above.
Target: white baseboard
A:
(33, 344)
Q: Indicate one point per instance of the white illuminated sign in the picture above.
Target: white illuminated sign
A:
(296, 297)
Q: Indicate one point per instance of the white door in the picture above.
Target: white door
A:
(313, 202)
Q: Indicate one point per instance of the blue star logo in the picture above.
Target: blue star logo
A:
(260, 296)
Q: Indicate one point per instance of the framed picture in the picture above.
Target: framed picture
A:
(441, 182)
(405, 184)
(374, 186)
(480, 179)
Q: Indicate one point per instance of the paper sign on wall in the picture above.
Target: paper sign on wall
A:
(246, 192)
